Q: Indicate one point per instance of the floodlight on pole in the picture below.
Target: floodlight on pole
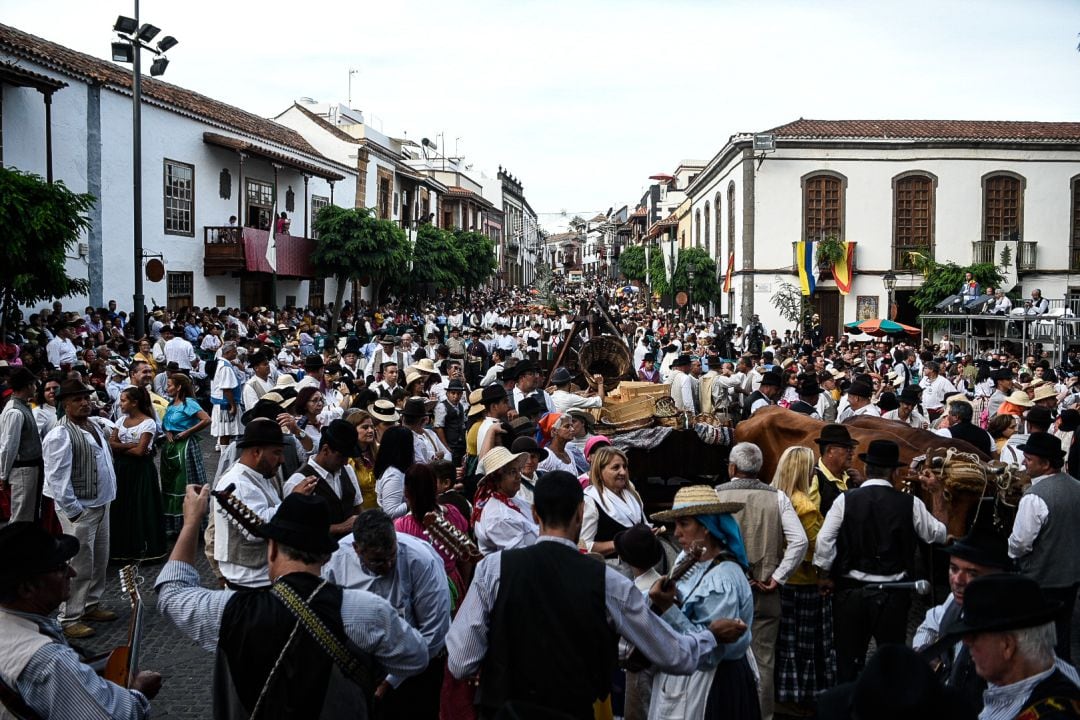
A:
(158, 66)
(126, 25)
(167, 43)
(123, 52)
(148, 32)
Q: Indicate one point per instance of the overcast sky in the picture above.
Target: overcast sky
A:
(582, 100)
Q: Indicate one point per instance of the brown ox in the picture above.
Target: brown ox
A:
(775, 429)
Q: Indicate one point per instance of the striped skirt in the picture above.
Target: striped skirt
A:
(805, 658)
(181, 465)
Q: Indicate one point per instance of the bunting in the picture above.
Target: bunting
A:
(806, 262)
(842, 271)
(730, 273)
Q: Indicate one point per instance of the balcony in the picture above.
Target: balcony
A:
(232, 249)
(1074, 258)
(902, 261)
(982, 251)
(1026, 257)
(1024, 254)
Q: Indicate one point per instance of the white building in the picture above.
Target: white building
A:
(203, 162)
(520, 248)
(957, 190)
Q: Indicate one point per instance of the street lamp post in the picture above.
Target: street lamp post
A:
(134, 38)
(690, 292)
(889, 278)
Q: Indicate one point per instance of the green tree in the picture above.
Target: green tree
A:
(632, 263)
(705, 286)
(41, 222)
(478, 251)
(437, 260)
(943, 279)
(354, 244)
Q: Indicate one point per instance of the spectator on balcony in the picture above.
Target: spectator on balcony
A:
(969, 290)
(1039, 304)
(281, 226)
(1002, 304)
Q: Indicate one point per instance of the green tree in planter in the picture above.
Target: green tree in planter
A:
(437, 259)
(354, 244)
(478, 252)
(41, 222)
(632, 263)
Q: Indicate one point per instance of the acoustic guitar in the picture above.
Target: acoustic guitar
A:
(448, 538)
(123, 662)
(239, 514)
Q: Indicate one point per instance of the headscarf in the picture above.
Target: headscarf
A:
(544, 427)
(723, 527)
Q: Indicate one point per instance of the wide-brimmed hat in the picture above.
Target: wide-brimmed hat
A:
(455, 385)
(982, 546)
(528, 445)
(697, 500)
(1001, 374)
(520, 368)
(21, 379)
(1040, 416)
(267, 408)
(835, 434)
(860, 389)
(809, 388)
(384, 411)
(561, 376)
(424, 365)
(684, 359)
(72, 388)
(303, 523)
(415, 407)
(492, 394)
(313, 362)
(882, 453)
(910, 395)
(499, 457)
(28, 550)
(1019, 397)
(531, 406)
(285, 380)
(260, 432)
(1045, 393)
(1044, 445)
(1069, 420)
(584, 416)
(638, 546)
(772, 378)
(412, 376)
(1002, 601)
(340, 435)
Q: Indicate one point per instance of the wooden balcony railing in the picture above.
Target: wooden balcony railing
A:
(982, 251)
(223, 250)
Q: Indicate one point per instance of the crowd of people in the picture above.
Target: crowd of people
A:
(435, 525)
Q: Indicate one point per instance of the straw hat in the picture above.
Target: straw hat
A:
(411, 376)
(696, 500)
(1045, 393)
(424, 365)
(475, 408)
(499, 457)
(285, 380)
(384, 411)
(1019, 397)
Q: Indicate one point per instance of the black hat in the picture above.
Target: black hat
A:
(882, 453)
(887, 402)
(681, 360)
(313, 362)
(860, 389)
(303, 523)
(910, 395)
(649, 357)
(528, 444)
(455, 384)
(834, 433)
(523, 367)
(1043, 445)
(1001, 374)
(492, 394)
(352, 345)
(71, 388)
(809, 388)
(260, 432)
(982, 546)
(638, 546)
(530, 406)
(561, 376)
(21, 379)
(1070, 420)
(415, 407)
(340, 435)
(772, 378)
(896, 684)
(266, 409)
(1002, 601)
(28, 550)
(1039, 415)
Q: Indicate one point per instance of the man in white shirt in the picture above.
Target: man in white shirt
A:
(908, 412)
(682, 388)
(260, 382)
(60, 350)
(427, 447)
(564, 400)
(179, 350)
(80, 478)
(20, 448)
(935, 387)
(526, 384)
(335, 479)
(858, 398)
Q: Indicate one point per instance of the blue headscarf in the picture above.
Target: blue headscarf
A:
(723, 527)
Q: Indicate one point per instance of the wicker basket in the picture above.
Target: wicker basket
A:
(609, 429)
(608, 356)
(667, 413)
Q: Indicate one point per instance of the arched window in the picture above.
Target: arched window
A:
(708, 238)
(730, 220)
(697, 229)
(1003, 206)
(717, 244)
(913, 216)
(823, 205)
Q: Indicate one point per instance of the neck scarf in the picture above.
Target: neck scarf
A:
(624, 510)
(487, 492)
(724, 528)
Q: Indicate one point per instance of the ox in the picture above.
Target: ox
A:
(775, 429)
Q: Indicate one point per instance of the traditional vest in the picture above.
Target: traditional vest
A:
(29, 438)
(84, 470)
(241, 549)
(753, 398)
(20, 638)
(255, 628)
(340, 507)
(454, 428)
(563, 656)
(803, 408)
(877, 535)
(705, 393)
(759, 520)
(1054, 697)
(1053, 561)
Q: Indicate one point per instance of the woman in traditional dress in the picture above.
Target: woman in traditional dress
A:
(136, 516)
(558, 429)
(805, 660)
(181, 458)
(364, 463)
(715, 588)
(420, 496)
(612, 503)
(394, 458)
(500, 523)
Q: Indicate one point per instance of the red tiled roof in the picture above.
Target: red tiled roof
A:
(240, 145)
(68, 61)
(639, 213)
(976, 130)
(456, 191)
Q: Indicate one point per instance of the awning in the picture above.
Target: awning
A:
(245, 146)
(293, 254)
(11, 74)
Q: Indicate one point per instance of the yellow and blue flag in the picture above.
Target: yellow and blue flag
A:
(806, 262)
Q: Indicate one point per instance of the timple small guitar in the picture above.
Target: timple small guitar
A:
(239, 513)
(447, 537)
(123, 662)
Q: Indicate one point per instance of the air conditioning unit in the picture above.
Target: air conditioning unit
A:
(84, 249)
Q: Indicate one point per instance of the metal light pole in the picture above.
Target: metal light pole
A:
(134, 39)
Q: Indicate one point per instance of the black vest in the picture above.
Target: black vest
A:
(549, 641)
(606, 528)
(1054, 698)
(340, 507)
(454, 427)
(878, 533)
(254, 628)
(976, 436)
(753, 398)
(803, 408)
(827, 490)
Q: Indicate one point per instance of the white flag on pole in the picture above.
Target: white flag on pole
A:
(271, 242)
(648, 284)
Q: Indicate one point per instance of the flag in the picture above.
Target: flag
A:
(843, 271)
(730, 272)
(271, 242)
(806, 262)
(647, 283)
